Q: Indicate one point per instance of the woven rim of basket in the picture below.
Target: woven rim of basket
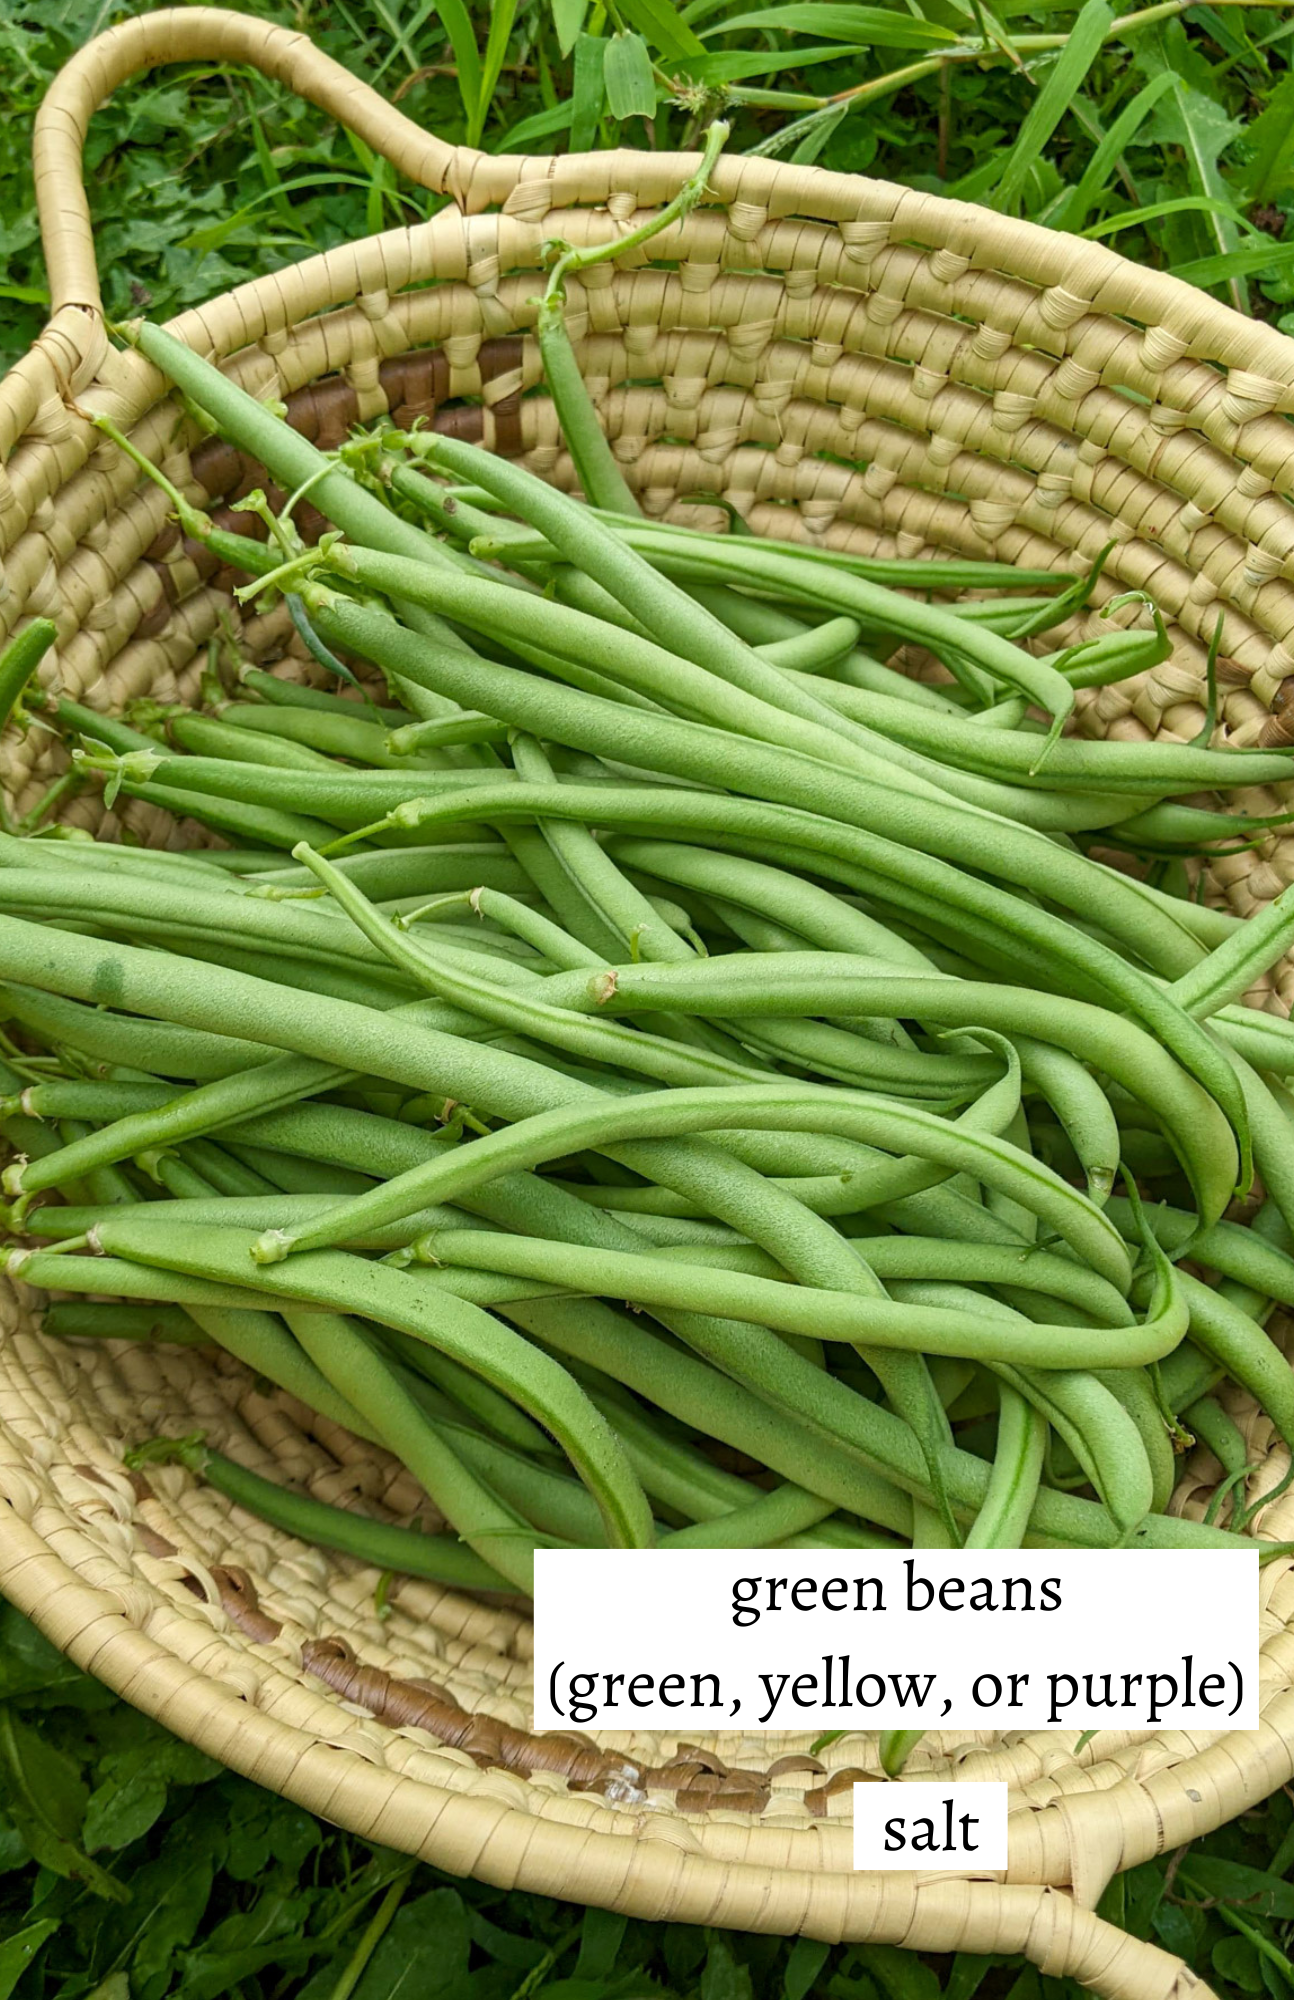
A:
(832, 314)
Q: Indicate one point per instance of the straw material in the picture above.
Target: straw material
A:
(973, 375)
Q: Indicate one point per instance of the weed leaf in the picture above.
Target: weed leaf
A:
(1063, 82)
(874, 25)
(627, 77)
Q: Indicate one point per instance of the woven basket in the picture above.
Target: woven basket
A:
(847, 362)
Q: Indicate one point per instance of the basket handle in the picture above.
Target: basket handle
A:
(207, 34)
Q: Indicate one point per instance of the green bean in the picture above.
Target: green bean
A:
(375, 1291)
(700, 753)
(108, 858)
(162, 910)
(177, 1176)
(1003, 1518)
(1116, 656)
(361, 986)
(612, 559)
(1237, 1253)
(816, 650)
(228, 861)
(418, 740)
(804, 578)
(915, 1397)
(745, 1419)
(599, 475)
(459, 512)
(484, 1404)
(207, 739)
(1080, 1105)
(264, 823)
(950, 948)
(1234, 966)
(762, 1523)
(210, 787)
(1010, 756)
(573, 1125)
(519, 919)
(261, 1341)
(436, 1060)
(99, 728)
(288, 1175)
(825, 919)
(1238, 1344)
(55, 1271)
(1132, 1388)
(313, 644)
(412, 871)
(1018, 1265)
(1093, 962)
(104, 1184)
(493, 1530)
(287, 456)
(539, 1494)
(282, 693)
(1008, 714)
(1099, 1431)
(256, 1212)
(278, 1081)
(1032, 802)
(226, 1173)
(632, 1049)
(542, 1209)
(1266, 1041)
(1220, 1433)
(760, 623)
(31, 1139)
(81, 1319)
(626, 912)
(546, 877)
(1076, 1404)
(895, 1747)
(19, 661)
(379, 1544)
(340, 1135)
(550, 634)
(671, 1468)
(1020, 1220)
(309, 931)
(926, 574)
(1168, 829)
(730, 920)
(1273, 1129)
(832, 1315)
(810, 1412)
(77, 1097)
(821, 982)
(352, 737)
(823, 1194)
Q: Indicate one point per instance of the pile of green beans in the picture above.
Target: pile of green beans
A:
(664, 1074)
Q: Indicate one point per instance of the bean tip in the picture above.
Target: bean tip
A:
(272, 1247)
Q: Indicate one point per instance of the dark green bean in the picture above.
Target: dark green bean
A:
(383, 1545)
(19, 661)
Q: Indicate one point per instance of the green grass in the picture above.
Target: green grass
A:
(1167, 132)
(133, 1868)
(130, 1867)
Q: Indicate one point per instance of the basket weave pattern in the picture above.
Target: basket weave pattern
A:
(846, 362)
